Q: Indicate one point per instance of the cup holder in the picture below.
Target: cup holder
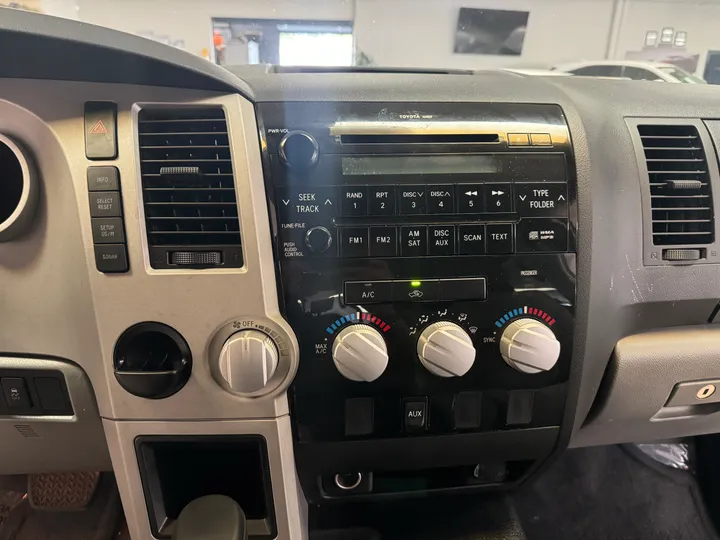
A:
(18, 190)
(152, 360)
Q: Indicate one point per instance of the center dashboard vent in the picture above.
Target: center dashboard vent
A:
(189, 197)
(680, 193)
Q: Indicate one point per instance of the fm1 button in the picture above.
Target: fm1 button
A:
(541, 200)
(354, 242)
(368, 292)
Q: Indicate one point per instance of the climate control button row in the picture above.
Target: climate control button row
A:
(422, 290)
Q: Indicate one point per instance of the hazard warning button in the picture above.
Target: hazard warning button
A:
(100, 130)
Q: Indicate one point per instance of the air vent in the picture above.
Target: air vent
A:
(191, 210)
(680, 194)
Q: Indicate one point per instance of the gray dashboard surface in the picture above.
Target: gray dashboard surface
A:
(617, 295)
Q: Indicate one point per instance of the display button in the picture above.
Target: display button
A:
(542, 234)
(412, 199)
(471, 239)
(413, 241)
(110, 258)
(313, 204)
(383, 242)
(415, 414)
(541, 139)
(16, 393)
(541, 200)
(498, 197)
(420, 290)
(354, 242)
(105, 204)
(463, 289)
(440, 199)
(381, 200)
(354, 200)
(441, 240)
(499, 238)
(368, 292)
(100, 130)
(469, 198)
(103, 179)
(107, 230)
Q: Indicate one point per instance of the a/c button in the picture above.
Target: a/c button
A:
(368, 292)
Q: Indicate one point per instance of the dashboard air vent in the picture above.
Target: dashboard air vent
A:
(191, 210)
(680, 194)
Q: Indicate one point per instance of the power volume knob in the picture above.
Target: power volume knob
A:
(529, 346)
(360, 353)
(446, 350)
(248, 360)
(299, 150)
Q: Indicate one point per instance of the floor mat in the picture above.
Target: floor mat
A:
(99, 521)
(608, 492)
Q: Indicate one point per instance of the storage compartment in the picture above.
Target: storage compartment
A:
(177, 470)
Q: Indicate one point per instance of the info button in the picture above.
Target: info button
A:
(368, 292)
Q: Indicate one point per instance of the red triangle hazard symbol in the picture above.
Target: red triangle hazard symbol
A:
(99, 128)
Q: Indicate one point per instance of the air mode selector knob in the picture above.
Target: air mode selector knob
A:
(529, 346)
(299, 150)
(446, 350)
(360, 353)
(248, 360)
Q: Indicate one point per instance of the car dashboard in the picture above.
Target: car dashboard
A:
(341, 287)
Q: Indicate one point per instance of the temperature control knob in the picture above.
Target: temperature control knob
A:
(299, 150)
(529, 346)
(360, 353)
(446, 350)
(248, 360)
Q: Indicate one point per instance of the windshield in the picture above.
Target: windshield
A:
(527, 37)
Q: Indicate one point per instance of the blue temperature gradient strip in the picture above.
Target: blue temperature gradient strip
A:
(352, 316)
(510, 315)
(329, 330)
(498, 324)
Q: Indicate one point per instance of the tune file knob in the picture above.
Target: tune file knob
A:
(529, 346)
(446, 350)
(248, 360)
(360, 353)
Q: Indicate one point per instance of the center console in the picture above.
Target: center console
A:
(426, 254)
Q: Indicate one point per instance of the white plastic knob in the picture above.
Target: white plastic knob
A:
(529, 346)
(248, 360)
(446, 350)
(360, 353)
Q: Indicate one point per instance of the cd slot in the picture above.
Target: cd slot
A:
(428, 138)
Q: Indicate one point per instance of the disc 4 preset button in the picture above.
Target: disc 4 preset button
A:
(541, 200)
(440, 199)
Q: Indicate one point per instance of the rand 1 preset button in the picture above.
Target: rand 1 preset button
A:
(354, 200)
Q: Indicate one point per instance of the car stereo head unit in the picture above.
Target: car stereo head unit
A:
(427, 261)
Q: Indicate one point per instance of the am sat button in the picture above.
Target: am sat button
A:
(368, 292)
(541, 200)
(416, 290)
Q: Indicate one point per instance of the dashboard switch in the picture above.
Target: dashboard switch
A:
(105, 204)
(103, 179)
(415, 414)
(16, 393)
(467, 408)
(108, 231)
(520, 407)
(50, 392)
(100, 130)
(111, 258)
(359, 416)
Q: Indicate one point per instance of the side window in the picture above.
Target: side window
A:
(639, 74)
(598, 71)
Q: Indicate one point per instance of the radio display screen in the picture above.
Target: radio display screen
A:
(389, 165)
